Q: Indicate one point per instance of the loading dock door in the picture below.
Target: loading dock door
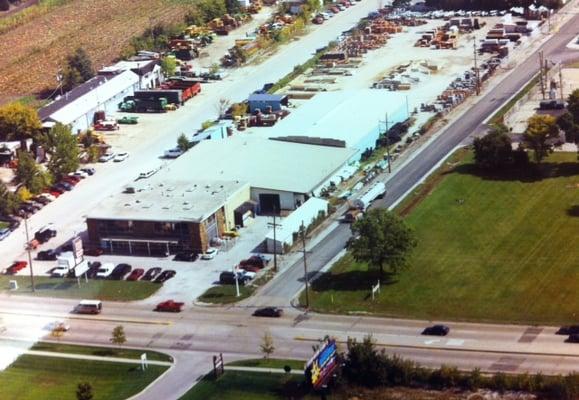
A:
(269, 203)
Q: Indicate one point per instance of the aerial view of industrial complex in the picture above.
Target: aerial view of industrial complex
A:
(289, 199)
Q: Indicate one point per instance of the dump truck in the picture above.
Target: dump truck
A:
(130, 104)
(170, 95)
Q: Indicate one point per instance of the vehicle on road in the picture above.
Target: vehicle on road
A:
(173, 153)
(47, 255)
(210, 253)
(148, 174)
(121, 157)
(105, 270)
(89, 307)
(136, 274)
(436, 330)
(169, 306)
(272, 312)
(4, 233)
(151, 274)
(574, 338)
(165, 276)
(568, 330)
(61, 271)
(58, 326)
(106, 157)
(186, 256)
(16, 267)
(120, 271)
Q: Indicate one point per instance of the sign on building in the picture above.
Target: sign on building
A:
(77, 249)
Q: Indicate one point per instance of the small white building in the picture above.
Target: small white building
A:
(288, 228)
(77, 107)
(149, 71)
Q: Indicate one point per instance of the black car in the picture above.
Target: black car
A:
(165, 276)
(90, 171)
(568, 330)
(436, 330)
(151, 274)
(186, 256)
(574, 338)
(93, 268)
(47, 255)
(64, 185)
(228, 278)
(44, 234)
(272, 312)
(42, 200)
(120, 271)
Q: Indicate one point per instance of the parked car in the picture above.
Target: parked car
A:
(436, 330)
(247, 274)
(173, 153)
(272, 312)
(69, 181)
(93, 268)
(79, 174)
(72, 178)
(574, 338)
(568, 330)
(210, 253)
(59, 272)
(105, 270)
(89, 171)
(44, 234)
(170, 306)
(42, 199)
(136, 274)
(47, 255)
(120, 271)
(186, 256)
(228, 278)
(65, 186)
(106, 157)
(15, 267)
(4, 233)
(165, 276)
(148, 174)
(121, 157)
(151, 274)
(250, 268)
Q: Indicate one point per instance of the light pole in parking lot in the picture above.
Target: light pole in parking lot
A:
(29, 255)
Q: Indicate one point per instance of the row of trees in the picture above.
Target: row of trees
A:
(490, 4)
(366, 366)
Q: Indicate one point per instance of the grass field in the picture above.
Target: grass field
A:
(100, 351)
(270, 363)
(507, 252)
(36, 43)
(93, 289)
(46, 378)
(225, 294)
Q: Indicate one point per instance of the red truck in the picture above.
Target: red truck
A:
(188, 88)
(169, 306)
(15, 267)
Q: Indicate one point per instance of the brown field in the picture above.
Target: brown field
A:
(30, 54)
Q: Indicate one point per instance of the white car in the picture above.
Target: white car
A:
(59, 272)
(105, 270)
(147, 174)
(80, 174)
(210, 253)
(107, 157)
(121, 157)
(173, 153)
(249, 274)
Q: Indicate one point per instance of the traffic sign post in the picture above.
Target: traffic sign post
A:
(144, 363)
(375, 289)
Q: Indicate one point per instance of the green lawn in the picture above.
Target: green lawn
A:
(234, 385)
(225, 294)
(507, 252)
(100, 351)
(270, 363)
(93, 289)
(46, 378)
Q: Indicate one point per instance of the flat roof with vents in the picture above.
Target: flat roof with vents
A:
(167, 200)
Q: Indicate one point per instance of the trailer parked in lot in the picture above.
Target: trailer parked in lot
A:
(172, 96)
(376, 190)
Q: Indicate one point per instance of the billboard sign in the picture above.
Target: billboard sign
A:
(321, 366)
(77, 248)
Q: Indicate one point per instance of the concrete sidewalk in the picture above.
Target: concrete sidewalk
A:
(262, 370)
(94, 358)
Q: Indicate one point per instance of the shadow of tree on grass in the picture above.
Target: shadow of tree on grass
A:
(528, 174)
(351, 281)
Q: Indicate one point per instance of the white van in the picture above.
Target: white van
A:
(89, 307)
(147, 174)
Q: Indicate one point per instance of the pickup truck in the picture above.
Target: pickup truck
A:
(169, 306)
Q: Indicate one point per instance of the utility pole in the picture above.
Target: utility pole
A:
(387, 141)
(306, 279)
(29, 255)
(561, 81)
(476, 71)
(541, 74)
(274, 225)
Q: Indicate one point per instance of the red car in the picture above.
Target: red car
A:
(95, 252)
(69, 180)
(136, 274)
(15, 267)
(170, 306)
(250, 268)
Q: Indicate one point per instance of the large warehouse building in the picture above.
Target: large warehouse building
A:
(281, 175)
(349, 118)
(161, 215)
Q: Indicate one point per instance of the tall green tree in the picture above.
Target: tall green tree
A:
(118, 336)
(494, 150)
(168, 66)
(232, 6)
(384, 240)
(9, 202)
(63, 148)
(569, 122)
(183, 143)
(78, 69)
(18, 122)
(84, 391)
(540, 129)
(30, 174)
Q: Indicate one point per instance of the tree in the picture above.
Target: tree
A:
(71, 78)
(232, 6)
(9, 202)
(63, 148)
(363, 363)
(539, 130)
(569, 122)
(29, 173)
(78, 69)
(384, 240)
(4, 5)
(168, 66)
(118, 336)
(84, 391)
(183, 143)
(494, 150)
(267, 347)
(18, 122)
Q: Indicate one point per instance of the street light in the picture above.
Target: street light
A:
(28, 251)
(303, 236)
